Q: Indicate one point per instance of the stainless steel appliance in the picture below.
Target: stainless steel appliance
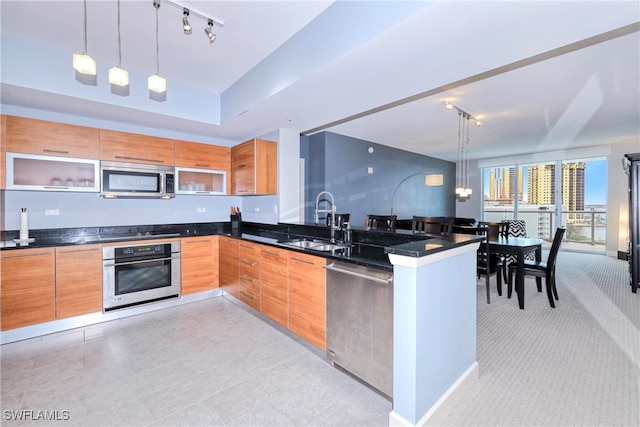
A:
(139, 274)
(136, 180)
(360, 322)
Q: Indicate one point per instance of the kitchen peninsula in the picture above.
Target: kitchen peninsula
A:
(433, 309)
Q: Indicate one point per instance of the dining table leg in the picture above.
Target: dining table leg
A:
(520, 277)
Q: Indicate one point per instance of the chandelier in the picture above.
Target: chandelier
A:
(463, 188)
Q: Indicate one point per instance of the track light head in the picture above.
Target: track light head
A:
(448, 105)
(185, 22)
(209, 31)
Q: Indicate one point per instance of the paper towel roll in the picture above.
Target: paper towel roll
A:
(24, 224)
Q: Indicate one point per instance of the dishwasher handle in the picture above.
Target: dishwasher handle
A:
(356, 274)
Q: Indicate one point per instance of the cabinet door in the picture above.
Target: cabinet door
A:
(78, 280)
(3, 150)
(202, 156)
(28, 287)
(307, 298)
(254, 168)
(197, 264)
(50, 138)
(229, 265)
(249, 273)
(135, 148)
(274, 297)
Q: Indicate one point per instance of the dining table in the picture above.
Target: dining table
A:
(519, 247)
(510, 245)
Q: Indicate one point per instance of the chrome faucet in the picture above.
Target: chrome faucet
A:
(316, 217)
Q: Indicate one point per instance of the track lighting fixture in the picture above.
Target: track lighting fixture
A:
(155, 82)
(447, 104)
(118, 76)
(209, 31)
(185, 22)
(83, 63)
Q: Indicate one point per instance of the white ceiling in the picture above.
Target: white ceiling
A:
(541, 75)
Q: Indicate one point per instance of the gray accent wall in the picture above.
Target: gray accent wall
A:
(340, 164)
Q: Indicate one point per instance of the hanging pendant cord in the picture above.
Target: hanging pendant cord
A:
(119, 44)
(156, 4)
(85, 28)
(459, 150)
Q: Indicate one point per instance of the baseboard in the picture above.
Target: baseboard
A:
(440, 410)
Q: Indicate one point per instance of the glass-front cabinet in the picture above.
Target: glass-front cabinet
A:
(50, 173)
(201, 181)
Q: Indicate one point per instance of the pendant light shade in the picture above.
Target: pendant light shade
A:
(118, 76)
(157, 84)
(83, 63)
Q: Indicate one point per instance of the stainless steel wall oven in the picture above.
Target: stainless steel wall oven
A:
(139, 274)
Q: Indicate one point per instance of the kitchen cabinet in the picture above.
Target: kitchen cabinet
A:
(78, 280)
(249, 274)
(197, 264)
(3, 150)
(307, 297)
(28, 287)
(32, 136)
(229, 272)
(202, 168)
(51, 173)
(254, 168)
(274, 290)
(134, 148)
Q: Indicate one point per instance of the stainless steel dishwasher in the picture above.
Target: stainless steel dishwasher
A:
(360, 323)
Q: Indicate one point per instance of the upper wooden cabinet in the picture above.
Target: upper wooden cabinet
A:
(135, 148)
(254, 168)
(202, 156)
(42, 137)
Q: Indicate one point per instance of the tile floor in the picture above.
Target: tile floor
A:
(201, 364)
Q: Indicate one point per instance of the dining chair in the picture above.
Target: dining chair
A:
(381, 222)
(441, 225)
(540, 269)
(488, 263)
(498, 229)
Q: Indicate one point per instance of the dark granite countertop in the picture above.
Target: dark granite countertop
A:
(369, 248)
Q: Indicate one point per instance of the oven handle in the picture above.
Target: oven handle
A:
(138, 262)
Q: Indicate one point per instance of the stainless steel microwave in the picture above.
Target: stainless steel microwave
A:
(136, 180)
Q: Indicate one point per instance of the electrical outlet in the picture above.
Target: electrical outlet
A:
(275, 209)
(202, 209)
(52, 211)
(256, 209)
(370, 170)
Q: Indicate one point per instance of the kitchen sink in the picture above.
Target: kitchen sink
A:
(316, 245)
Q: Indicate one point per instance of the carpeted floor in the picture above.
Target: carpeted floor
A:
(577, 364)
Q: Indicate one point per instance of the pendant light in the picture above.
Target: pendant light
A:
(118, 76)
(83, 63)
(155, 82)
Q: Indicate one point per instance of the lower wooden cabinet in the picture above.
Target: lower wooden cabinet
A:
(274, 289)
(197, 267)
(307, 297)
(28, 287)
(249, 273)
(228, 262)
(78, 280)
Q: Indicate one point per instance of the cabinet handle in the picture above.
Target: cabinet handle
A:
(246, 246)
(55, 187)
(70, 251)
(139, 158)
(248, 279)
(247, 295)
(267, 251)
(23, 255)
(49, 150)
(303, 260)
(197, 241)
(247, 262)
(202, 165)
